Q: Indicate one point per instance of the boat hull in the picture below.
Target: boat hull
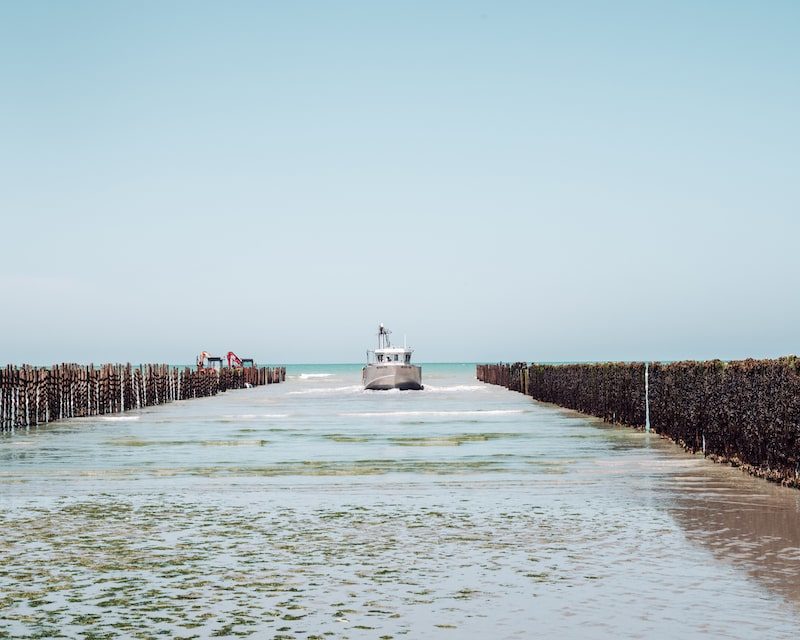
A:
(382, 377)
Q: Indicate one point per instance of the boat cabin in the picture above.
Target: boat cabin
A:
(386, 354)
(393, 355)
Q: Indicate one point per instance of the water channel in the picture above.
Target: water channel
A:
(314, 509)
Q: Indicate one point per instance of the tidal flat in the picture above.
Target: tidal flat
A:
(317, 510)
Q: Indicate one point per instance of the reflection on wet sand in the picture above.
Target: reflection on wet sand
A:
(746, 522)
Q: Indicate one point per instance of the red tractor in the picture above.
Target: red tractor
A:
(207, 362)
(236, 362)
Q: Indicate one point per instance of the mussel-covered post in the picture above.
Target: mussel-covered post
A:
(30, 396)
(746, 413)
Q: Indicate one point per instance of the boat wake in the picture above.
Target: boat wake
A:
(455, 388)
(254, 416)
(328, 390)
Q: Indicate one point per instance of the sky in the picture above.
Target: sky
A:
(496, 180)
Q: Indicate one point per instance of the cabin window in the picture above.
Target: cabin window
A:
(396, 357)
(408, 358)
(380, 357)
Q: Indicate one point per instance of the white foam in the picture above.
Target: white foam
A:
(255, 416)
(477, 412)
(118, 418)
(455, 388)
(311, 376)
(326, 390)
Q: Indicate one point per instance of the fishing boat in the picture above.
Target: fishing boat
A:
(390, 367)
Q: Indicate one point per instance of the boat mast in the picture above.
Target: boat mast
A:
(383, 337)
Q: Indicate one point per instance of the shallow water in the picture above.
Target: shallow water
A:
(316, 509)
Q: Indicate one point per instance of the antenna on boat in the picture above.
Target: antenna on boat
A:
(383, 337)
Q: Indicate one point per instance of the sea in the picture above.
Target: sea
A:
(316, 509)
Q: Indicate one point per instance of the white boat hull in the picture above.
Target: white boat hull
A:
(392, 376)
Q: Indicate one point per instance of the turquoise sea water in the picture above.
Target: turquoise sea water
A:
(317, 509)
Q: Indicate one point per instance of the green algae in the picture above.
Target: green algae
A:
(138, 442)
(354, 468)
(340, 437)
(449, 440)
(175, 567)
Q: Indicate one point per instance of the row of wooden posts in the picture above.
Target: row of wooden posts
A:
(36, 395)
(744, 412)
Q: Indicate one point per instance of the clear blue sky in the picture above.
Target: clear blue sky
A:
(498, 180)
